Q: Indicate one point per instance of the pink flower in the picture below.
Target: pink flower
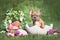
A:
(10, 34)
(21, 32)
(14, 25)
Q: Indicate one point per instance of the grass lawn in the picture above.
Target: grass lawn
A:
(50, 14)
(31, 37)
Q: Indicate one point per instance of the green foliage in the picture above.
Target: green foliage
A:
(2, 27)
(17, 15)
(12, 15)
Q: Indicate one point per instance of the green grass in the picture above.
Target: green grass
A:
(31, 37)
(50, 13)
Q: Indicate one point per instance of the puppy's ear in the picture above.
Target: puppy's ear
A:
(31, 11)
(38, 11)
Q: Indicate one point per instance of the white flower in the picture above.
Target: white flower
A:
(21, 16)
(51, 25)
(10, 21)
(21, 19)
(6, 24)
(55, 33)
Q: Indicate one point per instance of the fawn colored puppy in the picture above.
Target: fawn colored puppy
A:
(36, 19)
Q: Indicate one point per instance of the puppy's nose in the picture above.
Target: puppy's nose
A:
(34, 17)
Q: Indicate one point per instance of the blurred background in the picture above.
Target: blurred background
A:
(50, 9)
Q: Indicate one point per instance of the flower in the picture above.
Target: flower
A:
(21, 19)
(10, 34)
(10, 21)
(14, 25)
(6, 24)
(13, 15)
(21, 16)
